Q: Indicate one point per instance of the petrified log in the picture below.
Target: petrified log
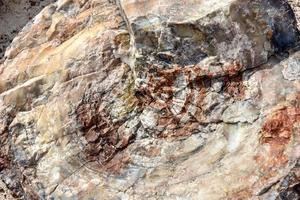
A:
(148, 99)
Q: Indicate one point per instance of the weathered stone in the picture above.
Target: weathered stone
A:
(130, 99)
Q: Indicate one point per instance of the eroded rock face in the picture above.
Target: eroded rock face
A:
(153, 100)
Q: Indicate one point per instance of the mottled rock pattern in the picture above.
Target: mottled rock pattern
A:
(153, 99)
(4, 192)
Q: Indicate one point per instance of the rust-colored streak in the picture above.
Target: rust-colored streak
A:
(277, 130)
(165, 81)
(276, 134)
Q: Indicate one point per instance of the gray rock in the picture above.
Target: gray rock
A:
(291, 69)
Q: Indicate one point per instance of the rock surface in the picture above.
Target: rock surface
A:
(295, 4)
(14, 15)
(136, 99)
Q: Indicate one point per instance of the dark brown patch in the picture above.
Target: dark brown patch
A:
(4, 161)
(104, 137)
(162, 81)
(234, 87)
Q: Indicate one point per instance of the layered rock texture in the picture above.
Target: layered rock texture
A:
(153, 99)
